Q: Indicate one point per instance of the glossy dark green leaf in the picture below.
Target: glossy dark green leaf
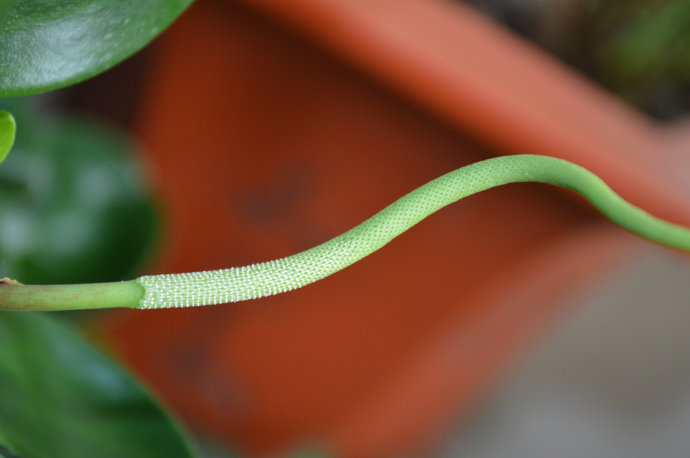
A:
(60, 398)
(46, 44)
(73, 204)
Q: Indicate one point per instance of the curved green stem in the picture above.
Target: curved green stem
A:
(280, 275)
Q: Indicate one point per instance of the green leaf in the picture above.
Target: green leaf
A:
(60, 398)
(47, 44)
(7, 132)
(73, 204)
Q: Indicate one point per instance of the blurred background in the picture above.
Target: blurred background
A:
(516, 323)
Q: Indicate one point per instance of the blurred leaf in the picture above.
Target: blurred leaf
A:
(60, 398)
(7, 131)
(638, 49)
(73, 206)
(651, 49)
(46, 44)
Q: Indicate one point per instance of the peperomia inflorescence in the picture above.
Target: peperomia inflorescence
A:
(292, 272)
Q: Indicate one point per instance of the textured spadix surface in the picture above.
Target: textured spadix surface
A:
(276, 276)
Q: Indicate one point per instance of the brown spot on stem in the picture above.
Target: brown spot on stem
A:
(9, 281)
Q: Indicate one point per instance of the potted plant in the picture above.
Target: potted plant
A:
(128, 29)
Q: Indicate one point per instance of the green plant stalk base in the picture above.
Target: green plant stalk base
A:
(285, 274)
(69, 297)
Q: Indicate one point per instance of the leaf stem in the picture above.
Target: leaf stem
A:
(70, 297)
